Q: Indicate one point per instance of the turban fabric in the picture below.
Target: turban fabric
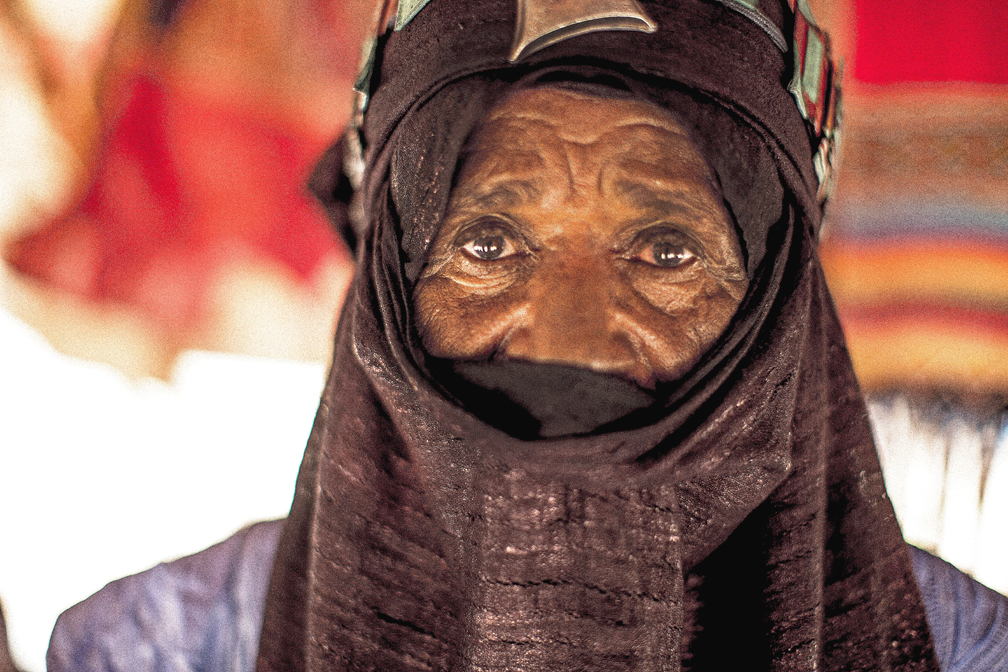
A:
(735, 518)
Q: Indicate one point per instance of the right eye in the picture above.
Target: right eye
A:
(489, 242)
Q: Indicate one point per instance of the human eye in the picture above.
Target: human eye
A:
(490, 240)
(664, 247)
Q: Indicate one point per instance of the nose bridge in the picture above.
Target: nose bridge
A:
(570, 316)
(575, 292)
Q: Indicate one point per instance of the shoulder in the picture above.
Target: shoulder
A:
(203, 611)
(968, 620)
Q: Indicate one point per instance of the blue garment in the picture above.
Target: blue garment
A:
(200, 613)
(969, 621)
(203, 613)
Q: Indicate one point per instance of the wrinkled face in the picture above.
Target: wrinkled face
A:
(583, 231)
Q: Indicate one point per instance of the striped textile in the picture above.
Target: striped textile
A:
(916, 246)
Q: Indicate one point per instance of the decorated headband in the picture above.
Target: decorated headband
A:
(815, 83)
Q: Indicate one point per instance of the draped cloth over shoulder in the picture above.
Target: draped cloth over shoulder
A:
(738, 520)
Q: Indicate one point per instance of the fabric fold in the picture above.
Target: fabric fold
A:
(736, 520)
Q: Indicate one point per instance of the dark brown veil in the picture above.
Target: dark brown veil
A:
(736, 521)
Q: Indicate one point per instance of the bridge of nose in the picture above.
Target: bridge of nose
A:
(568, 317)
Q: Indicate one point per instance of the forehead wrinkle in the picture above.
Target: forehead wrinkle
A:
(486, 167)
(654, 147)
(663, 170)
(618, 133)
(507, 123)
(642, 150)
(541, 107)
(675, 196)
(532, 136)
(531, 174)
(656, 129)
(652, 166)
(502, 195)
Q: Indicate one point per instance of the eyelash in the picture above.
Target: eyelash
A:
(640, 245)
(513, 242)
(645, 241)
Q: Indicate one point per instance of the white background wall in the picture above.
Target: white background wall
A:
(101, 476)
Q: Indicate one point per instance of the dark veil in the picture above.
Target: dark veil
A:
(737, 519)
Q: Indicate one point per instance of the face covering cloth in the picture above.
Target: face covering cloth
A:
(733, 519)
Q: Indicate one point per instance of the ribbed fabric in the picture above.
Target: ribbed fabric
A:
(108, 631)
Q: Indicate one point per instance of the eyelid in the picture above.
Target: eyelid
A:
(667, 231)
(489, 225)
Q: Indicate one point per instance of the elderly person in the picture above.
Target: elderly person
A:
(590, 407)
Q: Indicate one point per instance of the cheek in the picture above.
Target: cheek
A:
(704, 304)
(462, 320)
(679, 321)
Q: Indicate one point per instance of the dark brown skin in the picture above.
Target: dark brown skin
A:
(584, 231)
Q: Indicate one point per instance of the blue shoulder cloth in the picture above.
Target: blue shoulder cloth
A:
(969, 621)
(202, 612)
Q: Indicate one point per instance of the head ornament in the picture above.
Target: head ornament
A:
(815, 82)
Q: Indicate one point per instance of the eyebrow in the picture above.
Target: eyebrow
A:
(504, 194)
(675, 196)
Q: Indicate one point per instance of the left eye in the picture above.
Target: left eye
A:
(665, 250)
(666, 254)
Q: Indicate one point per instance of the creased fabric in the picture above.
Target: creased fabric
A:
(201, 612)
(969, 621)
(738, 521)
